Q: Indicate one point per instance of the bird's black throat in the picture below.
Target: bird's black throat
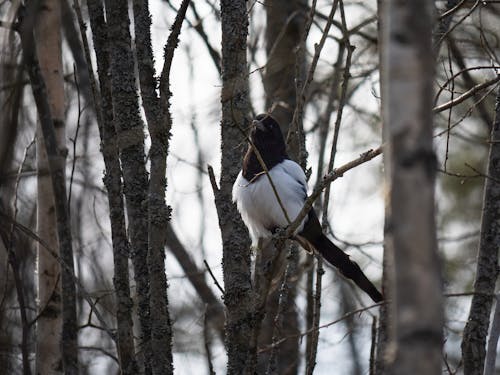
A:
(252, 169)
(268, 140)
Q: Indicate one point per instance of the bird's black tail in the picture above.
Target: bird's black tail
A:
(345, 265)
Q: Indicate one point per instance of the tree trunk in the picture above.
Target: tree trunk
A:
(382, 339)
(159, 123)
(416, 293)
(130, 136)
(114, 187)
(476, 329)
(284, 27)
(235, 241)
(50, 352)
(286, 21)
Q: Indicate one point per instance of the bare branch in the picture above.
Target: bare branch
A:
(466, 95)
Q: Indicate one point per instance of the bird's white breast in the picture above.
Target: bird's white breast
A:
(258, 204)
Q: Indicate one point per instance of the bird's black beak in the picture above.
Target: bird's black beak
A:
(258, 125)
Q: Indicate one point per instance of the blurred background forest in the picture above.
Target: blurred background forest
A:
(313, 65)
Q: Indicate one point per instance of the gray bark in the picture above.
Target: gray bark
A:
(415, 290)
(130, 137)
(235, 240)
(284, 359)
(159, 123)
(476, 328)
(114, 187)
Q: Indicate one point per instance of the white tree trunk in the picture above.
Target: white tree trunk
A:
(49, 324)
(415, 288)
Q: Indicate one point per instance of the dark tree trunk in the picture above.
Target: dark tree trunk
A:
(130, 137)
(235, 240)
(476, 329)
(114, 187)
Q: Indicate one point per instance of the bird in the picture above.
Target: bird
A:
(263, 214)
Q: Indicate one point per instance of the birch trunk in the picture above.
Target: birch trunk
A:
(49, 323)
(416, 291)
(56, 157)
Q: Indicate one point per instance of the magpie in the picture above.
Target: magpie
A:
(261, 211)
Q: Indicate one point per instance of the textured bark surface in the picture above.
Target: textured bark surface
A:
(130, 137)
(235, 240)
(159, 121)
(158, 212)
(284, 26)
(114, 187)
(476, 329)
(416, 291)
(56, 326)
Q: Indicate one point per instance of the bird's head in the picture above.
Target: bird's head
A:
(266, 135)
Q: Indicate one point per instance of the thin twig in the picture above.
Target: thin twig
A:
(93, 84)
(314, 341)
(297, 114)
(13, 260)
(373, 346)
(452, 10)
(206, 342)
(461, 72)
(328, 179)
(465, 95)
(343, 317)
(28, 232)
(266, 172)
(73, 164)
(311, 358)
(213, 277)
(452, 93)
(481, 173)
(213, 181)
(291, 271)
(467, 113)
(458, 23)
